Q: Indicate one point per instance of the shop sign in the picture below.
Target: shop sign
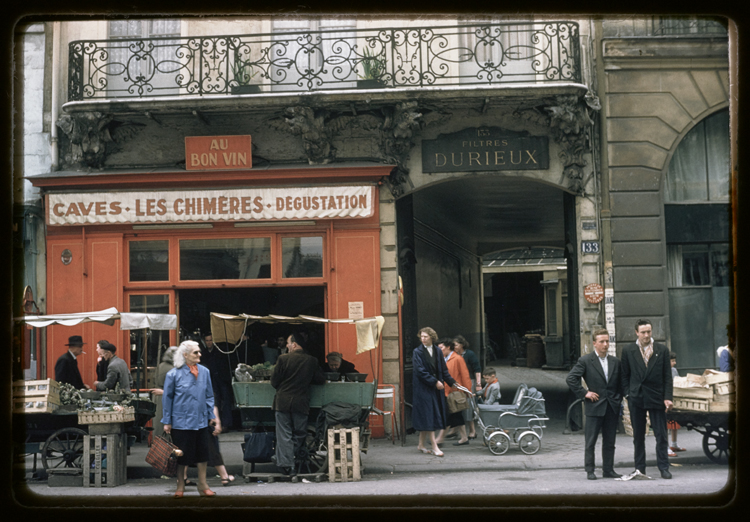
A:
(485, 148)
(203, 206)
(594, 293)
(218, 152)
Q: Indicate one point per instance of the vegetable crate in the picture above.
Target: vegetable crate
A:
(47, 390)
(106, 417)
(343, 455)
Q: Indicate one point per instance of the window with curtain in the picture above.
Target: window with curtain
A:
(696, 195)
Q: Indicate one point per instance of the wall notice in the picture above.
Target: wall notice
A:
(356, 310)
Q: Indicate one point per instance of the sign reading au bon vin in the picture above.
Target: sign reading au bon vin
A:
(218, 152)
(485, 148)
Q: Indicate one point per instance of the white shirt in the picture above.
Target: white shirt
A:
(605, 366)
(429, 350)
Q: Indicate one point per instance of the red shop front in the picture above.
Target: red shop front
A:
(283, 241)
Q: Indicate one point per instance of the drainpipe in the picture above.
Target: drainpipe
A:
(55, 103)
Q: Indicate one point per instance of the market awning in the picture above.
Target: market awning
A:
(128, 321)
(229, 328)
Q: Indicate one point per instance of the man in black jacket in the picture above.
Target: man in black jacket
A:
(647, 384)
(292, 376)
(66, 367)
(602, 402)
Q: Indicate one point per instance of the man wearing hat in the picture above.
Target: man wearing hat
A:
(117, 371)
(66, 367)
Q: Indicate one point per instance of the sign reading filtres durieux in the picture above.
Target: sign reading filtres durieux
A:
(485, 149)
(201, 206)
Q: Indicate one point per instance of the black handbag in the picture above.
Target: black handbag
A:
(259, 446)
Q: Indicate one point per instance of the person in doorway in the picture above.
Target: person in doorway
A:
(66, 367)
(221, 379)
(647, 384)
(292, 377)
(166, 364)
(601, 402)
(337, 363)
(188, 406)
(429, 377)
(460, 372)
(101, 362)
(117, 372)
(726, 359)
(672, 425)
(490, 394)
(475, 372)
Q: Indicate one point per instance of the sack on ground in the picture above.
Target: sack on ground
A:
(457, 401)
(162, 455)
(259, 446)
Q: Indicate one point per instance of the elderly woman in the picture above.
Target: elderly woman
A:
(457, 367)
(430, 375)
(188, 406)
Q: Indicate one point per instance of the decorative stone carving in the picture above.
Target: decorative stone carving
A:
(92, 135)
(570, 121)
(400, 123)
(317, 129)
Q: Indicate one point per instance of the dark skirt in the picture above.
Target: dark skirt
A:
(214, 456)
(194, 444)
(455, 419)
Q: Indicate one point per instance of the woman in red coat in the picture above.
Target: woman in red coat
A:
(460, 372)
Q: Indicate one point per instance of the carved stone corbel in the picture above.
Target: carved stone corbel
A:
(399, 125)
(88, 133)
(570, 121)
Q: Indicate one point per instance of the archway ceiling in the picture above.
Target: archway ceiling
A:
(486, 214)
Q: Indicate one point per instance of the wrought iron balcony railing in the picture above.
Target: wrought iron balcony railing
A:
(479, 54)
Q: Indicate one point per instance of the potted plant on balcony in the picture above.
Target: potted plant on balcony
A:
(244, 72)
(373, 69)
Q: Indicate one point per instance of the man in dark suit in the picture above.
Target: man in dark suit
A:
(292, 376)
(647, 384)
(602, 402)
(66, 367)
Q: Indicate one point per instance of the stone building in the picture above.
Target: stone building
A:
(519, 182)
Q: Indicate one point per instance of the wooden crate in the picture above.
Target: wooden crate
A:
(45, 388)
(106, 417)
(33, 405)
(723, 388)
(729, 397)
(714, 377)
(105, 460)
(693, 393)
(343, 455)
(720, 406)
(684, 403)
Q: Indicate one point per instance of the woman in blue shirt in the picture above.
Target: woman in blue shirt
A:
(188, 409)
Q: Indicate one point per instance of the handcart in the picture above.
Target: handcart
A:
(254, 400)
(521, 422)
(717, 428)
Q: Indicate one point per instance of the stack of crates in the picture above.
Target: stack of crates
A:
(343, 455)
(105, 449)
(711, 392)
(724, 393)
(36, 396)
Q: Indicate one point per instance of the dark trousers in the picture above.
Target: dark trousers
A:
(607, 425)
(291, 433)
(224, 400)
(658, 418)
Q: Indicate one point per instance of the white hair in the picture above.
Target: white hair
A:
(179, 356)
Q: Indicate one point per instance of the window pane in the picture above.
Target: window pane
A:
(686, 177)
(243, 258)
(302, 256)
(695, 266)
(691, 327)
(717, 147)
(149, 260)
(720, 265)
(147, 346)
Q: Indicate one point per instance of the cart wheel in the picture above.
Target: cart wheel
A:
(313, 457)
(64, 449)
(717, 445)
(529, 442)
(498, 443)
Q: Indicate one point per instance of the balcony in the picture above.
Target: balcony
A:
(489, 55)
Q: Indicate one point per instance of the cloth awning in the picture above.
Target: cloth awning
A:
(128, 321)
(229, 328)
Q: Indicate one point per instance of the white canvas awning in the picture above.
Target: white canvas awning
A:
(128, 321)
(229, 328)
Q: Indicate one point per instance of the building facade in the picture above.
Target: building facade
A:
(500, 179)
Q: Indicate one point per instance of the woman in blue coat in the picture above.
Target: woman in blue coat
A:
(428, 397)
(188, 409)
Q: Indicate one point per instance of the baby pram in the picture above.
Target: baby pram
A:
(521, 422)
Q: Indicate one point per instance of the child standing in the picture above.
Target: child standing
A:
(491, 390)
(672, 425)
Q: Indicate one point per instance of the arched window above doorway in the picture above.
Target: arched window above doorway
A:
(699, 170)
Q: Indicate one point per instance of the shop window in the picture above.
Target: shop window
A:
(147, 346)
(243, 258)
(302, 257)
(149, 260)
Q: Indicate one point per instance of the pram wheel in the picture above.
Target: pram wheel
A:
(529, 442)
(538, 430)
(498, 443)
(489, 430)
